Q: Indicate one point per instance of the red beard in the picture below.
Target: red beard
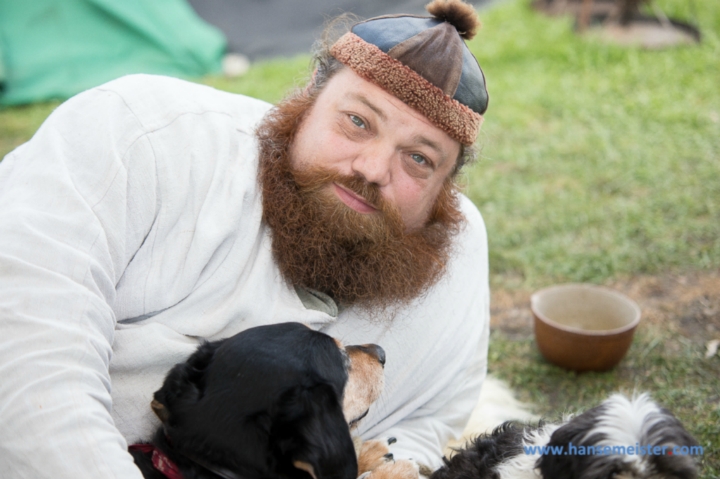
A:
(320, 243)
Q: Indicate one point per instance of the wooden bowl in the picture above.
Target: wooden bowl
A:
(583, 327)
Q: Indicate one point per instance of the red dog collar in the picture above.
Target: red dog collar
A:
(160, 461)
(163, 463)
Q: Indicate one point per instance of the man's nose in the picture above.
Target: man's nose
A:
(374, 163)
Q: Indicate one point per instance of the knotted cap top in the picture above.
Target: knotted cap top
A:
(425, 63)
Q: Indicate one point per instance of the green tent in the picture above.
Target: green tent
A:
(57, 48)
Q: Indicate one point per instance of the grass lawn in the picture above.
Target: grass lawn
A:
(602, 164)
(599, 163)
(598, 160)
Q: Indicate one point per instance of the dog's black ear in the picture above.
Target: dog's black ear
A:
(564, 465)
(560, 461)
(309, 432)
(185, 382)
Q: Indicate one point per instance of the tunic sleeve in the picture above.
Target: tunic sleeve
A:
(75, 203)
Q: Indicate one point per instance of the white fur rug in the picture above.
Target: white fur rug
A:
(496, 405)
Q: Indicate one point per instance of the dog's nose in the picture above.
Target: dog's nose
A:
(376, 351)
(372, 350)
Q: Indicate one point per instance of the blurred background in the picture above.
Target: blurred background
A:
(56, 48)
(600, 153)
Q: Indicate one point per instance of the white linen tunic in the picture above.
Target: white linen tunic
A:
(130, 229)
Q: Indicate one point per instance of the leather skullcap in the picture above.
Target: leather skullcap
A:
(425, 63)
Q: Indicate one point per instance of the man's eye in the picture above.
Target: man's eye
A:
(357, 121)
(419, 159)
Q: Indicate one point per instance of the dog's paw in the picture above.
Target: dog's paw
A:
(400, 469)
(374, 454)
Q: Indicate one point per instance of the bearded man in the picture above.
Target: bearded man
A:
(150, 213)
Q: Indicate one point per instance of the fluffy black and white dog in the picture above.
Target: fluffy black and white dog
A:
(620, 439)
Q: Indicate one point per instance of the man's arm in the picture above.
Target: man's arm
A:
(66, 236)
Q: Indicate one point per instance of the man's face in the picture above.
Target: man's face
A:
(357, 194)
(356, 128)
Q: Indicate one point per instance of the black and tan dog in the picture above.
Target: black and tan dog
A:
(271, 402)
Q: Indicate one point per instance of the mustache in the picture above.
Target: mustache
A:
(313, 179)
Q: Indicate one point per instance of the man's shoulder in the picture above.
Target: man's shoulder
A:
(156, 100)
(474, 223)
(470, 250)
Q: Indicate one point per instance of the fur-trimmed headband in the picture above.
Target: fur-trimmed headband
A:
(425, 63)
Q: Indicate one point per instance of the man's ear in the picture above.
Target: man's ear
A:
(309, 430)
(185, 382)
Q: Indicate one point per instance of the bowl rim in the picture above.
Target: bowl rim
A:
(584, 332)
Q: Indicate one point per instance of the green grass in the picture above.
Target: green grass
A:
(601, 162)
(598, 162)
(17, 124)
(673, 369)
(269, 80)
